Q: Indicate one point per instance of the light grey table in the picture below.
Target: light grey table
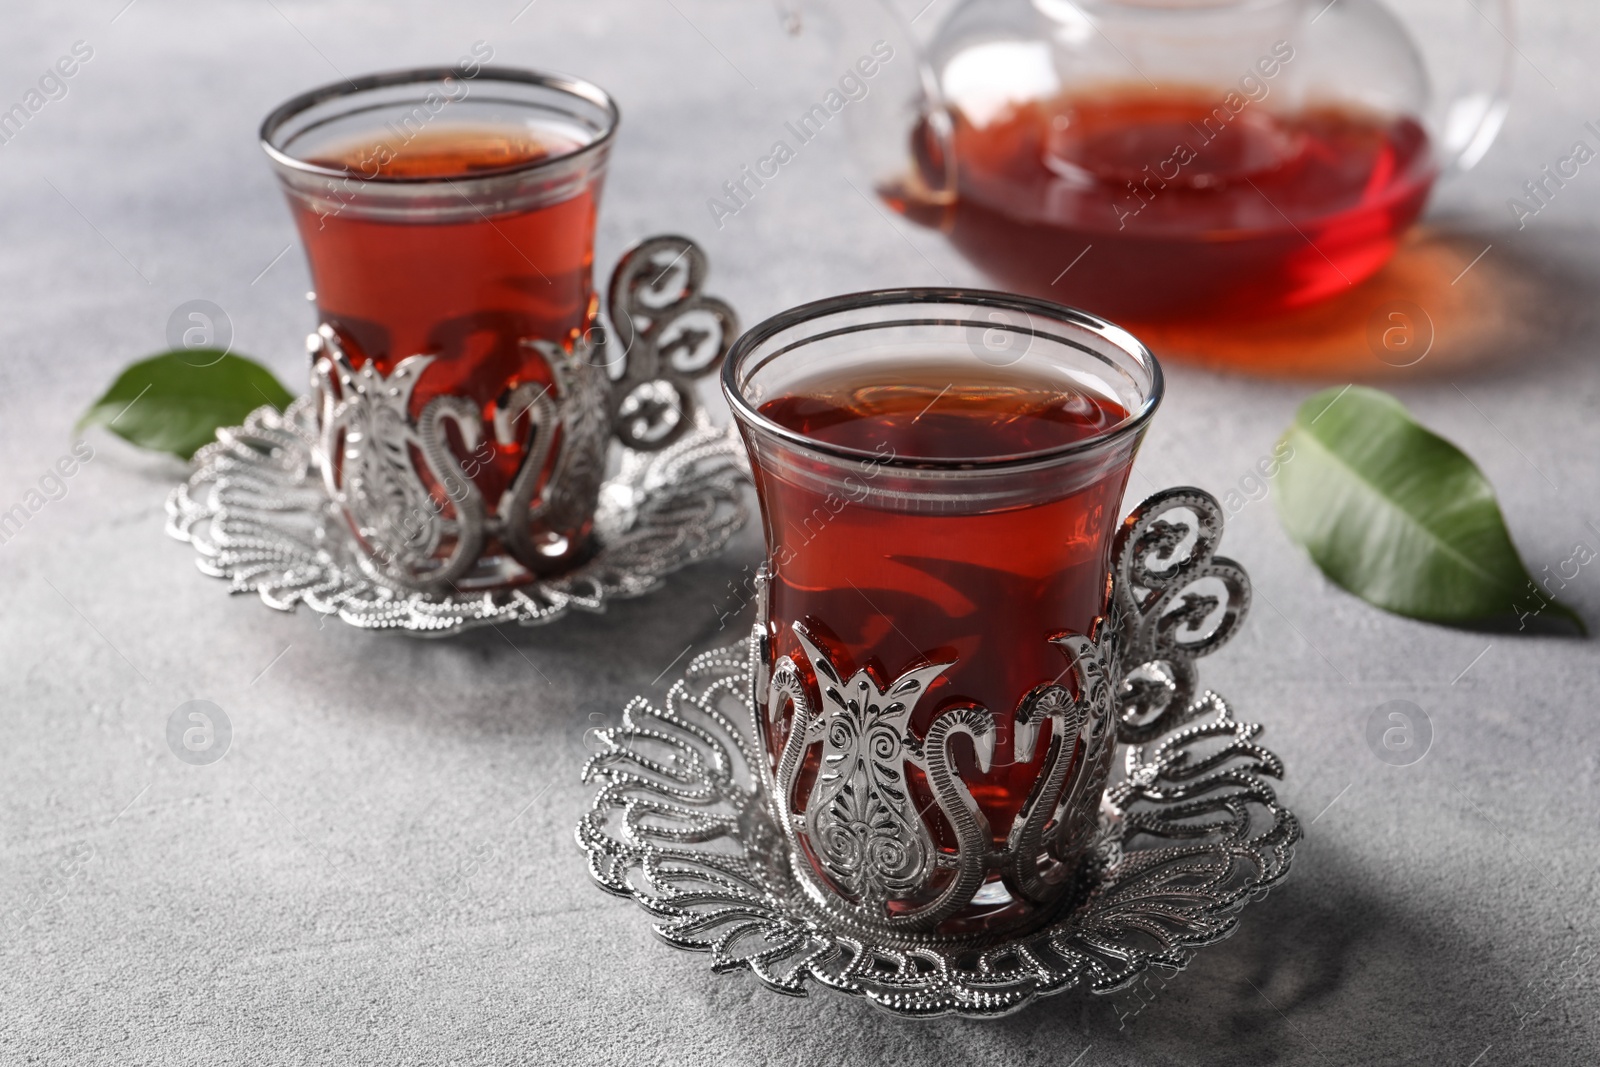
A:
(381, 870)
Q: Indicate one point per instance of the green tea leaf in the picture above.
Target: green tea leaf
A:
(175, 402)
(1404, 519)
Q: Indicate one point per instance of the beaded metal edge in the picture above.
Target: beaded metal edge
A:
(257, 514)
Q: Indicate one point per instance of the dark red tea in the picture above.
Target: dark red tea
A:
(1187, 210)
(468, 287)
(892, 586)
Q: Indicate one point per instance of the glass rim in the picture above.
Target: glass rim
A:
(752, 339)
(299, 104)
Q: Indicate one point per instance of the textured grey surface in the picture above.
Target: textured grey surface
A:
(381, 870)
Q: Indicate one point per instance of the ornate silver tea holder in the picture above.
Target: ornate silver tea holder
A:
(264, 509)
(685, 821)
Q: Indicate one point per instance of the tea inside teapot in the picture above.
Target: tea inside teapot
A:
(1172, 159)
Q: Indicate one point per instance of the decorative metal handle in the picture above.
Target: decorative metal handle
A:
(1163, 560)
(669, 333)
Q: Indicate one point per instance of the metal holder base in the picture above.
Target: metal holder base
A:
(258, 515)
(270, 510)
(1190, 834)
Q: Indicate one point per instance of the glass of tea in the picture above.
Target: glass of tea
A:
(448, 215)
(940, 475)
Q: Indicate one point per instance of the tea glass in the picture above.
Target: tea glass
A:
(448, 215)
(911, 598)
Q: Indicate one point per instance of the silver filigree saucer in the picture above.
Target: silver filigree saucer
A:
(258, 515)
(1192, 832)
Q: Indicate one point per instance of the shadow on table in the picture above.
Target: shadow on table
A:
(546, 682)
(1454, 301)
(1325, 970)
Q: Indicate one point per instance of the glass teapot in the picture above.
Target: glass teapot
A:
(1180, 160)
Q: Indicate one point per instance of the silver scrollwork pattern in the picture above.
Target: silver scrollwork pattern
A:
(377, 463)
(1163, 562)
(1095, 662)
(1053, 830)
(665, 332)
(860, 822)
(860, 819)
(681, 823)
(394, 536)
(387, 471)
(257, 515)
(567, 417)
(369, 450)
